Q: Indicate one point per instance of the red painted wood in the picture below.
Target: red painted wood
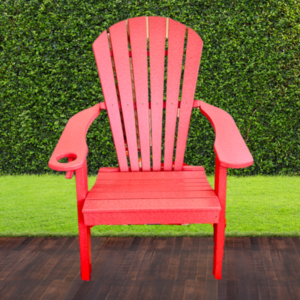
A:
(146, 211)
(115, 188)
(148, 52)
(219, 228)
(119, 43)
(230, 148)
(150, 182)
(138, 41)
(175, 54)
(151, 175)
(106, 75)
(84, 231)
(157, 40)
(196, 104)
(208, 204)
(146, 185)
(154, 217)
(72, 143)
(184, 168)
(192, 61)
(69, 174)
(150, 195)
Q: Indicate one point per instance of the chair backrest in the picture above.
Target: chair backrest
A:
(123, 65)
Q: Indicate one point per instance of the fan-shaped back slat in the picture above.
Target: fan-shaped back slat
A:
(192, 63)
(138, 42)
(133, 86)
(119, 43)
(157, 40)
(175, 53)
(106, 75)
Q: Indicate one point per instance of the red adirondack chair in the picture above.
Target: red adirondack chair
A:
(168, 193)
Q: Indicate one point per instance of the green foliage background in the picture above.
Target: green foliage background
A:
(250, 67)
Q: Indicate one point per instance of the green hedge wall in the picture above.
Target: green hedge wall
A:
(250, 68)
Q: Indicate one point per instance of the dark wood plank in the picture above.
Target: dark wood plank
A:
(167, 290)
(284, 291)
(222, 284)
(137, 285)
(240, 270)
(200, 288)
(230, 259)
(174, 261)
(138, 258)
(252, 290)
(296, 242)
(293, 255)
(210, 259)
(248, 260)
(294, 287)
(151, 268)
(10, 263)
(189, 289)
(202, 261)
(263, 291)
(63, 246)
(103, 265)
(278, 267)
(257, 260)
(20, 268)
(178, 289)
(193, 260)
(211, 290)
(286, 259)
(118, 271)
(146, 292)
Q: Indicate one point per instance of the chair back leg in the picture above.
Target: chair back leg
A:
(219, 238)
(219, 228)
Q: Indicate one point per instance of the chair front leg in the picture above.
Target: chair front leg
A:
(219, 228)
(84, 231)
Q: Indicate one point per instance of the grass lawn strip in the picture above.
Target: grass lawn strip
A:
(33, 205)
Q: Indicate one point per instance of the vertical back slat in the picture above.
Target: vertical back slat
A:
(175, 53)
(119, 43)
(138, 42)
(106, 75)
(192, 62)
(157, 40)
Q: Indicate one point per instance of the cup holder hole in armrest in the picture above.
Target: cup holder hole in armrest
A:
(64, 159)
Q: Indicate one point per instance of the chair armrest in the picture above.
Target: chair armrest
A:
(72, 143)
(230, 147)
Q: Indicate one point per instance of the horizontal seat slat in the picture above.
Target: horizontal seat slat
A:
(151, 217)
(151, 175)
(150, 195)
(148, 188)
(188, 182)
(138, 205)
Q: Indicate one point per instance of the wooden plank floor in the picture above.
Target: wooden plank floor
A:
(150, 268)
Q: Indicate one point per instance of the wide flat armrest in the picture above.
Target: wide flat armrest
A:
(72, 143)
(230, 147)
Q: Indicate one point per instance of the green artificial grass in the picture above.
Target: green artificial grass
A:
(45, 205)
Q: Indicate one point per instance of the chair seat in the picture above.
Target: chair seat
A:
(183, 197)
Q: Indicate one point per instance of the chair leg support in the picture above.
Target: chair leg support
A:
(219, 228)
(84, 231)
(85, 251)
(219, 238)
